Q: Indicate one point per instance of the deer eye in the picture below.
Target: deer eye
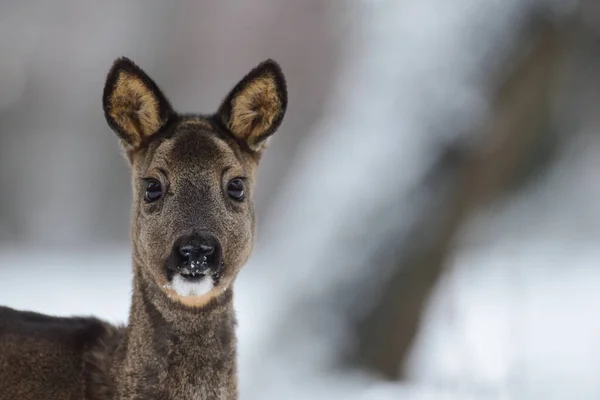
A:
(235, 189)
(153, 190)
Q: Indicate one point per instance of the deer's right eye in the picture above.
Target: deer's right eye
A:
(153, 190)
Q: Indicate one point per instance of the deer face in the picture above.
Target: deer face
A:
(193, 177)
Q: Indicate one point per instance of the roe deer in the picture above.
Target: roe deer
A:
(192, 230)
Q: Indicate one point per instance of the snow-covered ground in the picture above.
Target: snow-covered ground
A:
(519, 309)
(67, 281)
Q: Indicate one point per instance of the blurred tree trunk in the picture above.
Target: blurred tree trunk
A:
(517, 126)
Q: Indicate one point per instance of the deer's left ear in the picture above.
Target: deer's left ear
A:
(134, 106)
(254, 109)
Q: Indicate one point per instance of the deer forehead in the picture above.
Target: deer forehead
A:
(194, 150)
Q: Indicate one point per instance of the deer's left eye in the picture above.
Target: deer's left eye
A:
(153, 190)
(235, 189)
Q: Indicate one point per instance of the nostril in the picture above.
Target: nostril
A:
(206, 249)
(187, 251)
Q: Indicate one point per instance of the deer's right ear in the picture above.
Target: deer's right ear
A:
(134, 106)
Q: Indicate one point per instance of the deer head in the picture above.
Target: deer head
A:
(193, 178)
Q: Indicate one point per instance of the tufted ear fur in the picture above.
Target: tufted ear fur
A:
(254, 109)
(134, 106)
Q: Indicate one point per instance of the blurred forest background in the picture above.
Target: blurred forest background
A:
(428, 212)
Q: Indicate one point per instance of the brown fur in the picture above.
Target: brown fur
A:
(199, 122)
(174, 347)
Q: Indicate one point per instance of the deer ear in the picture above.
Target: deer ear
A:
(134, 106)
(254, 109)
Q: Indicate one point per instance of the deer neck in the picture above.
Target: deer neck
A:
(178, 352)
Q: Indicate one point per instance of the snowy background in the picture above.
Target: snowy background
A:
(392, 261)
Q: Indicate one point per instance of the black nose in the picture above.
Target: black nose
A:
(196, 253)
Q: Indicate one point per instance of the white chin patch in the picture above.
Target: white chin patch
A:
(185, 288)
